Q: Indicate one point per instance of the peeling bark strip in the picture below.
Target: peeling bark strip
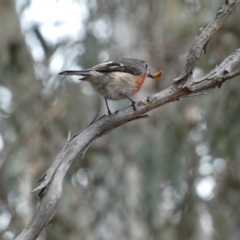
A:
(51, 183)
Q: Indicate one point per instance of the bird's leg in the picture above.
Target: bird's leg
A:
(109, 112)
(133, 103)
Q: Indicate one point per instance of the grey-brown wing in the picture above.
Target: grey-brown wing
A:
(128, 65)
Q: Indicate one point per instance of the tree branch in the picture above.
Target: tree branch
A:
(51, 183)
(202, 39)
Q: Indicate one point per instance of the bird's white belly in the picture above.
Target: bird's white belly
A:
(115, 86)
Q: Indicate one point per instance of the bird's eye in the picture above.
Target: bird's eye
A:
(146, 67)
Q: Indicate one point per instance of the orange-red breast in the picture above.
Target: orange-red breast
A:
(116, 79)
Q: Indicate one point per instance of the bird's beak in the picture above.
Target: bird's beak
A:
(156, 75)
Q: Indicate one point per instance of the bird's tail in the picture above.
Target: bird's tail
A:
(77, 72)
(83, 73)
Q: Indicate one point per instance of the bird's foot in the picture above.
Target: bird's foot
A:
(135, 106)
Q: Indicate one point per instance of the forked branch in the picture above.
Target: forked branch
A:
(50, 186)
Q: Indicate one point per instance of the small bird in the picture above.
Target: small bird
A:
(116, 79)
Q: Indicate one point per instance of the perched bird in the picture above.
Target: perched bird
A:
(116, 79)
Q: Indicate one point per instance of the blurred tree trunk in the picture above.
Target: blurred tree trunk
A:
(17, 75)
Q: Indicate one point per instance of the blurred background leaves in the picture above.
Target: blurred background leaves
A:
(172, 176)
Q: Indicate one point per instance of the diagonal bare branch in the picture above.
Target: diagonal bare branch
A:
(51, 183)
